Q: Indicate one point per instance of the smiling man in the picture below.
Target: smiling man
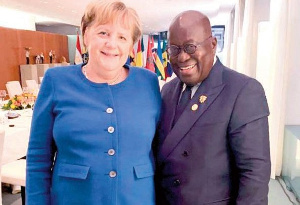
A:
(213, 142)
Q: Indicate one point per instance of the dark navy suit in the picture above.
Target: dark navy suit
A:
(219, 153)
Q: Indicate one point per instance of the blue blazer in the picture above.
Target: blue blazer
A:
(90, 143)
(218, 153)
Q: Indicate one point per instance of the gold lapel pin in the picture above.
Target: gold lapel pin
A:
(194, 107)
(202, 99)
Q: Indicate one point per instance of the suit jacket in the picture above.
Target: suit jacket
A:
(218, 153)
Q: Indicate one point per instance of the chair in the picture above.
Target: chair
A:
(13, 172)
(32, 85)
(13, 88)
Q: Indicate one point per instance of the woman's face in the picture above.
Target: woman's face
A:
(108, 45)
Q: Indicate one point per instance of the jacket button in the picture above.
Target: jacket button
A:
(112, 174)
(110, 129)
(109, 110)
(111, 152)
(185, 154)
(176, 182)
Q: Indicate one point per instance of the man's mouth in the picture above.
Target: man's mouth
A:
(187, 67)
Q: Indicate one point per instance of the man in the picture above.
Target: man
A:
(217, 150)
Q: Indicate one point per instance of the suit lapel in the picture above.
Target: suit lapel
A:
(210, 88)
(171, 105)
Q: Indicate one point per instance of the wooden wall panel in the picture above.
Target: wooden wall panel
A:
(12, 50)
(8, 44)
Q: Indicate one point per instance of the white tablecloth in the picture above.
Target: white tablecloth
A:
(17, 137)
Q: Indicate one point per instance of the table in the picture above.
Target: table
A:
(16, 138)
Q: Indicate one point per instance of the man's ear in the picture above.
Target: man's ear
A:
(214, 44)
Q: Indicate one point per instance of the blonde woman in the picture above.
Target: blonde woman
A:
(93, 123)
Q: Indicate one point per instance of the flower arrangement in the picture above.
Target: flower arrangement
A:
(20, 102)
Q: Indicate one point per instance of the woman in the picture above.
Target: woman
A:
(93, 124)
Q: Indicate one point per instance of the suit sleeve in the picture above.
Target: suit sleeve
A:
(41, 147)
(249, 141)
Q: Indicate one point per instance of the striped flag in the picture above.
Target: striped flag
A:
(131, 57)
(78, 54)
(150, 60)
(166, 63)
(160, 71)
(139, 56)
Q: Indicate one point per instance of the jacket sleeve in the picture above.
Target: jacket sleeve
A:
(41, 148)
(249, 141)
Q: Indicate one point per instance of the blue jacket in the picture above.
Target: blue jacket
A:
(90, 143)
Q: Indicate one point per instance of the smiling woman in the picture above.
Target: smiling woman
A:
(92, 118)
(109, 35)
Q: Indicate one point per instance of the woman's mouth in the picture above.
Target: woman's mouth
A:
(109, 54)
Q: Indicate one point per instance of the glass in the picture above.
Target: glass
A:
(24, 102)
(2, 96)
(25, 90)
(31, 101)
(189, 48)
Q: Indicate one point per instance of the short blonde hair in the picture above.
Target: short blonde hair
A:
(109, 11)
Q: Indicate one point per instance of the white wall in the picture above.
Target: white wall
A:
(16, 19)
(293, 85)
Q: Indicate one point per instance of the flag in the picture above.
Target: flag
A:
(78, 54)
(143, 50)
(150, 61)
(131, 58)
(166, 63)
(160, 71)
(139, 56)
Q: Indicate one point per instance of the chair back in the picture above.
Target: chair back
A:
(32, 85)
(13, 88)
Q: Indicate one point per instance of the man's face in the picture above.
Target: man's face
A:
(192, 68)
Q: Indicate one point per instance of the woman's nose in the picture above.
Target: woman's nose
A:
(111, 42)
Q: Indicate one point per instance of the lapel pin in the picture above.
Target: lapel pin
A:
(202, 99)
(194, 107)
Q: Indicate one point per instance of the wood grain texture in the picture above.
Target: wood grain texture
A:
(12, 50)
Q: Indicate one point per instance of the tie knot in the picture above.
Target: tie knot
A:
(188, 88)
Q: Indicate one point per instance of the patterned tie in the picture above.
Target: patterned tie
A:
(184, 100)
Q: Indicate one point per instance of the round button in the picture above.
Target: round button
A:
(176, 182)
(185, 154)
(112, 174)
(111, 152)
(109, 110)
(110, 129)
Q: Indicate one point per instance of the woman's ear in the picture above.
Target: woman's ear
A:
(85, 38)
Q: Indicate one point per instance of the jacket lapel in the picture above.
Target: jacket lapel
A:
(171, 104)
(210, 88)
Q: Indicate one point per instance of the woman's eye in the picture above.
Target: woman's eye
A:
(122, 37)
(103, 33)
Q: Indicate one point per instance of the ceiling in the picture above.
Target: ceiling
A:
(156, 15)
